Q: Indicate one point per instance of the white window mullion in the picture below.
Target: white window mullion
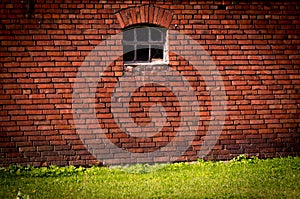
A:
(135, 53)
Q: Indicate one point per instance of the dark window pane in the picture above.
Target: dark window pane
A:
(143, 44)
(128, 35)
(142, 53)
(128, 53)
(156, 35)
(142, 34)
(157, 52)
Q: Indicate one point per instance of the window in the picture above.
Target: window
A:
(144, 45)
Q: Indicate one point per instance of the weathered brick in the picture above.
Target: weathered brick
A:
(258, 61)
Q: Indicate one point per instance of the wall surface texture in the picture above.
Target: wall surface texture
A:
(255, 46)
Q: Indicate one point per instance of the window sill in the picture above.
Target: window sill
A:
(146, 66)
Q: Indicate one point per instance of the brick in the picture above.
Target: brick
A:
(258, 62)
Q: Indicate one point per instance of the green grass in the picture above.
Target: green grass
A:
(240, 178)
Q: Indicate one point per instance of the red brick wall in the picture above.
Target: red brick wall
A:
(254, 45)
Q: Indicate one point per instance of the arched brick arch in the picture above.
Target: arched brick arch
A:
(144, 14)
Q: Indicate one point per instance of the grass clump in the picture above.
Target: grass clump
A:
(51, 171)
(241, 177)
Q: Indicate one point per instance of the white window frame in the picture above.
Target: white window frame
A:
(135, 42)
